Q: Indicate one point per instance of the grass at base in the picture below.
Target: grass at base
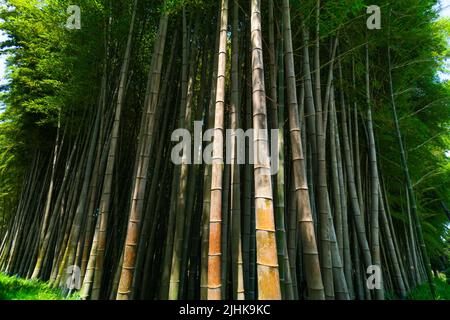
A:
(423, 291)
(13, 288)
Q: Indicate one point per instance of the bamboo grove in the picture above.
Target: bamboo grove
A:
(86, 145)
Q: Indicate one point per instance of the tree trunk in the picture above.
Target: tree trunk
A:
(215, 221)
(306, 225)
(266, 251)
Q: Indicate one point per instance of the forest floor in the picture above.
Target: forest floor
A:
(442, 290)
(13, 288)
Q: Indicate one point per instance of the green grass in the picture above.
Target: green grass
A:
(423, 292)
(13, 288)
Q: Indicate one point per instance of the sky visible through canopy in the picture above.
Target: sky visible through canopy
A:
(2, 61)
(445, 12)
